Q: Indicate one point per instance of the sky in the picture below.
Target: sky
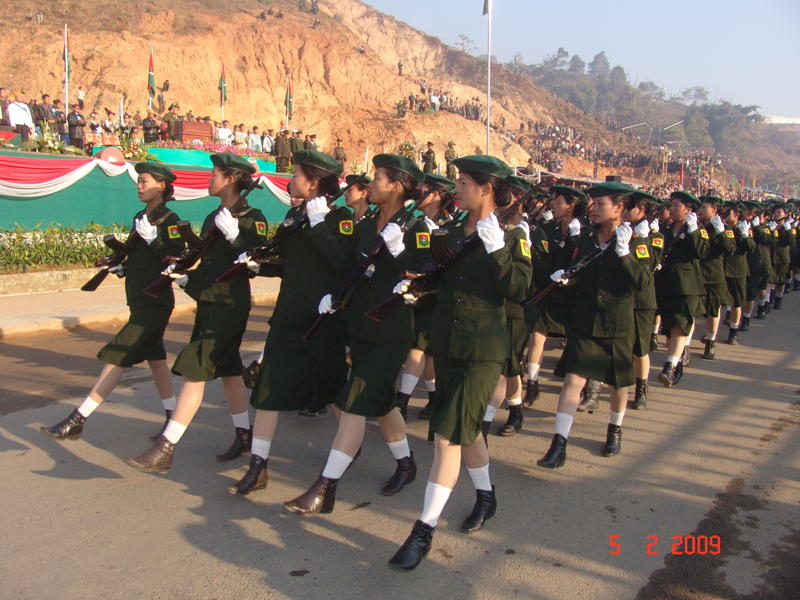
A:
(746, 52)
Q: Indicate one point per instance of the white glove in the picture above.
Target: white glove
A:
(654, 226)
(756, 221)
(491, 234)
(118, 270)
(244, 259)
(558, 277)
(717, 224)
(742, 227)
(227, 224)
(316, 209)
(393, 236)
(642, 229)
(772, 225)
(431, 224)
(691, 222)
(624, 235)
(526, 229)
(326, 305)
(787, 226)
(401, 288)
(547, 216)
(574, 227)
(145, 230)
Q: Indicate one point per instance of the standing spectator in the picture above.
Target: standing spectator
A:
(151, 128)
(171, 119)
(19, 116)
(400, 68)
(283, 151)
(240, 136)
(339, 153)
(81, 97)
(60, 121)
(76, 123)
(254, 140)
(4, 107)
(268, 142)
(429, 160)
(224, 134)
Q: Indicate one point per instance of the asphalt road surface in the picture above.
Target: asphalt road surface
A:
(702, 503)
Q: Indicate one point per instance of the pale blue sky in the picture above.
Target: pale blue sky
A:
(747, 52)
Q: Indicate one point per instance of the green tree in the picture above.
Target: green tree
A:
(557, 61)
(576, 65)
(599, 67)
(696, 127)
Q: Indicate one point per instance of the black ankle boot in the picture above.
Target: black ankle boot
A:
(653, 342)
(640, 395)
(686, 358)
(556, 455)
(778, 302)
(709, 351)
(405, 473)
(613, 440)
(320, 498)
(168, 414)
(401, 402)
(255, 478)
(677, 374)
(667, 375)
(425, 411)
(483, 510)
(414, 549)
(514, 422)
(70, 428)
(590, 393)
(485, 427)
(531, 393)
(157, 458)
(761, 312)
(241, 443)
(250, 374)
(733, 336)
(745, 325)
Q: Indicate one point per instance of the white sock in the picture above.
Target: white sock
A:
(673, 360)
(656, 328)
(241, 420)
(762, 301)
(514, 401)
(430, 384)
(616, 417)
(748, 315)
(174, 431)
(436, 497)
(728, 308)
(689, 337)
(337, 464)
(533, 371)
(489, 414)
(563, 424)
(87, 407)
(169, 403)
(261, 357)
(710, 336)
(261, 448)
(779, 294)
(407, 383)
(480, 478)
(399, 449)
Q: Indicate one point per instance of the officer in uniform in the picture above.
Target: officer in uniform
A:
(221, 318)
(283, 151)
(736, 271)
(449, 156)
(155, 235)
(339, 153)
(295, 143)
(429, 159)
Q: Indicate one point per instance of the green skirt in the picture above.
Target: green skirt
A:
(140, 339)
(643, 329)
(609, 360)
(716, 297)
(213, 350)
(518, 334)
(679, 312)
(295, 374)
(780, 272)
(755, 283)
(737, 290)
(422, 326)
(552, 319)
(463, 390)
(369, 390)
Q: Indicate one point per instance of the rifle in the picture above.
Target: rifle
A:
(668, 250)
(120, 251)
(363, 270)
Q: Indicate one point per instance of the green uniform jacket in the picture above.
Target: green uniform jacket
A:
(781, 253)
(282, 147)
(712, 265)
(648, 256)
(561, 252)
(219, 258)
(146, 261)
(295, 144)
(428, 161)
(604, 291)
(540, 261)
(680, 272)
(762, 235)
(469, 322)
(736, 265)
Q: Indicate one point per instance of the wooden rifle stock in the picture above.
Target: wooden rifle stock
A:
(120, 251)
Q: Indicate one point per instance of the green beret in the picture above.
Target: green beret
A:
(649, 198)
(752, 205)
(688, 199)
(712, 200)
(519, 183)
(782, 205)
(354, 179)
(157, 169)
(444, 182)
(227, 160)
(568, 192)
(609, 188)
(483, 163)
(320, 160)
(401, 163)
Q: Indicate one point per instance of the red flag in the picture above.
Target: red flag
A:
(742, 182)
(151, 77)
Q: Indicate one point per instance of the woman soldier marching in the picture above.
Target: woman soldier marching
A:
(356, 197)
(377, 349)
(222, 311)
(438, 197)
(142, 337)
(295, 374)
(600, 340)
(470, 346)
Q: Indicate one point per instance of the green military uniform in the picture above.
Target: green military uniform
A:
(283, 153)
(553, 312)
(542, 268)
(429, 161)
(142, 337)
(736, 267)
(781, 254)
(449, 156)
(340, 155)
(762, 236)
(757, 275)
(295, 144)
(648, 251)
(712, 268)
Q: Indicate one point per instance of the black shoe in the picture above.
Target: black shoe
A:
(319, 498)
(640, 395)
(556, 455)
(667, 375)
(485, 427)
(686, 359)
(678, 373)
(732, 336)
(778, 302)
(168, 414)
(709, 351)
(761, 312)
(613, 440)
(514, 422)
(70, 428)
(531, 393)
(310, 412)
(745, 325)
(405, 473)
(653, 342)
(241, 444)
(157, 458)
(250, 374)
(483, 510)
(254, 479)
(591, 392)
(414, 549)
(401, 402)
(425, 411)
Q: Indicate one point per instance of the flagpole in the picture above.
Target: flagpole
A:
(150, 98)
(489, 78)
(66, 68)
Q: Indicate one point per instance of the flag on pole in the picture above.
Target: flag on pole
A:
(66, 54)
(288, 103)
(486, 6)
(223, 88)
(151, 77)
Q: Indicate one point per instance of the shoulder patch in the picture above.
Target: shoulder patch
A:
(261, 228)
(729, 233)
(173, 232)
(423, 239)
(775, 233)
(765, 230)
(346, 227)
(703, 233)
(794, 231)
(658, 242)
(642, 251)
(525, 248)
(546, 245)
